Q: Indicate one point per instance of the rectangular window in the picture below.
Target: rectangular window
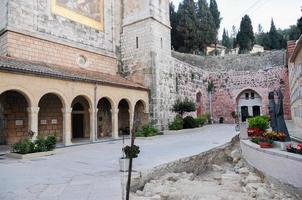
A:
(137, 42)
(246, 95)
(252, 95)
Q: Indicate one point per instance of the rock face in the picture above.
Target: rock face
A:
(225, 181)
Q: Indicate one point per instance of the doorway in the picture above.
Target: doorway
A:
(244, 113)
(256, 111)
(77, 125)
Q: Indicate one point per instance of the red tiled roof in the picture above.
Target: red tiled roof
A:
(43, 69)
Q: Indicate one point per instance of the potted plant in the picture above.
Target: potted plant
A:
(257, 126)
(128, 152)
(266, 143)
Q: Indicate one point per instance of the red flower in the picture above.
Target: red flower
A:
(299, 146)
(289, 146)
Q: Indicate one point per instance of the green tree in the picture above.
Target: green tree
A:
(184, 106)
(226, 41)
(176, 40)
(299, 24)
(216, 15)
(207, 33)
(245, 36)
(275, 37)
(233, 36)
(186, 27)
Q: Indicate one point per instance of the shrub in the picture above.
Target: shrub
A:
(207, 116)
(131, 152)
(147, 131)
(182, 107)
(260, 122)
(177, 124)
(40, 145)
(189, 122)
(25, 146)
(50, 142)
(200, 121)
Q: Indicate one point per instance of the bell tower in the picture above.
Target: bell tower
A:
(145, 42)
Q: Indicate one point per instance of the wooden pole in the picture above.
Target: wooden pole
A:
(129, 171)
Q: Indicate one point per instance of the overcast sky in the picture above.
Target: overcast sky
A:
(284, 12)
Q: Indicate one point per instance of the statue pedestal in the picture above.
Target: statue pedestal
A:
(243, 131)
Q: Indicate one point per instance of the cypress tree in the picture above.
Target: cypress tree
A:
(216, 14)
(274, 36)
(187, 26)
(245, 36)
(299, 24)
(226, 41)
(176, 40)
(206, 25)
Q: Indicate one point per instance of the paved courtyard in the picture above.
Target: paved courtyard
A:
(91, 171)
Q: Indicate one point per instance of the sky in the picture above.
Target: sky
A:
(284, 13)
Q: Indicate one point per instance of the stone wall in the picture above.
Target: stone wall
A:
(295, 81)
(229, 85)
(36, 18)
(15, 112)
(50, 118)
(35, 49)
(241, 62)
(3, 14)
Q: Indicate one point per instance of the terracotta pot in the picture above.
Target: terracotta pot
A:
(265, 145)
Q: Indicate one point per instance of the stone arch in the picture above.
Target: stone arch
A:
(80, 117)
(29, 98)
(124, 108)
(50, 116)
(140, 115)
(249, 104)
(14, 116)
(59, 94)
(104, 117)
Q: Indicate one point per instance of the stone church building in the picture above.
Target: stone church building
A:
(99, 69)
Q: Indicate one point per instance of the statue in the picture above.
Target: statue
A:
(281, 125)
(272, 110)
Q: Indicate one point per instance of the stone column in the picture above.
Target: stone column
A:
(67, 126)
(114, 118)
(92, 119)
(33, 113)
(250, 109)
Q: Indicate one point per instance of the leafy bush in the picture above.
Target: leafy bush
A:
(50, 142)
(182, 107)
(260, 122)
(40, 145)
(200, 121)
(131, 152)
(207, 116)
(177, 124)
(147, 131)
(189, 122)
(23, 147)
(26, 146)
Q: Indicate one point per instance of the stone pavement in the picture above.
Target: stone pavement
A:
(91, 172)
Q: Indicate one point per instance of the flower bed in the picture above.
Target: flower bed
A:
(298, 149)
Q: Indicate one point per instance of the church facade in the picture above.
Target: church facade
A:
(98, 69)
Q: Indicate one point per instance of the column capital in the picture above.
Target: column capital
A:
(66, 110)
(33, 109)
(92, 110)
(114, 110)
